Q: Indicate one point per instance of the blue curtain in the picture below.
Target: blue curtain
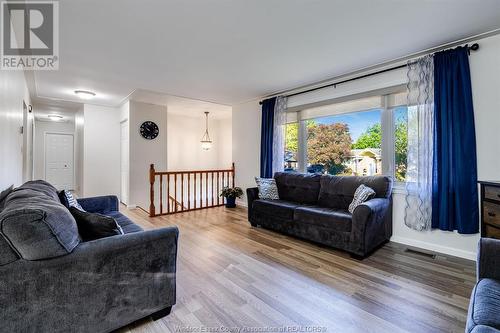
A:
(454, 181)
(266, 138)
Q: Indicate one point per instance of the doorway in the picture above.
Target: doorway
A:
(59, 157)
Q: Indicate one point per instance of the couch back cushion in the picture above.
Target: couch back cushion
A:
(36, 224)
(338, 191)
(298, 187)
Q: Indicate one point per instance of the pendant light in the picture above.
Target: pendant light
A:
(206, 143)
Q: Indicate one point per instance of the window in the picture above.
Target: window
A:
(291, 146)
(400, 116)
(354, 137)
(347, 144)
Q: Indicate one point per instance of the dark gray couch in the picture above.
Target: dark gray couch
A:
(51, 281)
(484, 307)
(314, 207)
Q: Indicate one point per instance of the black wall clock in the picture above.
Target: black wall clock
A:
(149, 130)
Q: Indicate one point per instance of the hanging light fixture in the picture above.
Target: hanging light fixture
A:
(206, 143)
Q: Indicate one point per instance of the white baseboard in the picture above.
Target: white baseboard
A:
(434, 247)
(242, 203)
(132, 206)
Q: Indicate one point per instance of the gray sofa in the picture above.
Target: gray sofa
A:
(51, 281)
(484, 307)
(314, 207)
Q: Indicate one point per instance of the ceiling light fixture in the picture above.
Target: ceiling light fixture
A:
(206, 143)
(84, 94)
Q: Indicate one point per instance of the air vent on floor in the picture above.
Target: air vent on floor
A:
(420, 253)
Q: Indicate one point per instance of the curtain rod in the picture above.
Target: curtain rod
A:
(473, 47)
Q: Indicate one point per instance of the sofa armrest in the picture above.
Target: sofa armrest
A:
(369, 224)
(103, 204)
(488, 258)
(252, 195)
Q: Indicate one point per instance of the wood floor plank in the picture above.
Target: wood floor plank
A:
(231, 275)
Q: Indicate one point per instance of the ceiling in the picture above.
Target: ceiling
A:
(232, 51)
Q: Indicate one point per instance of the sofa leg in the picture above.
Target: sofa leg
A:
(357, 256)
(162, 313)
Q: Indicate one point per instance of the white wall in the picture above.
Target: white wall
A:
(79, 151)
(42, 127)
(246, 144)
(485, 71)
(224, 137)
(101, 151)
(145, 152)
(13, 91)
(124, 110)
(184, 147)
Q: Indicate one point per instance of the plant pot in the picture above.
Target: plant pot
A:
(230, 202)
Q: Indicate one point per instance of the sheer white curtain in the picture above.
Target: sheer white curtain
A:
(420, 86)
(279, 134)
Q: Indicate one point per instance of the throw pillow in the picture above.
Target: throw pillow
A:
(94, 226)
(362, 194)
(68, 200)
(267, 188)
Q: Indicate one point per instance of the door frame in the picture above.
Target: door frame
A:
(125, 121)
(45, 154)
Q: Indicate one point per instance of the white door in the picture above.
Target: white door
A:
(124, 156)
(59, 160)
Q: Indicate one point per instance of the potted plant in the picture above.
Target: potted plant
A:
(231, 193)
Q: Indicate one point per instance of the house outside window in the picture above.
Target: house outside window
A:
(359, 137)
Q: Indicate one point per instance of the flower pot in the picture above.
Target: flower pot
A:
(230, 202)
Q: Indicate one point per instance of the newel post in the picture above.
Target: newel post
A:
(233, 173)
(152, 190)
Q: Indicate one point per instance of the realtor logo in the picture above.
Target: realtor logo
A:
(29, 35)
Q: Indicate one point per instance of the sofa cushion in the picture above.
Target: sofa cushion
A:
(68, 200)
(484, 308)
(338, 191)
(125, 223)
(94, 225)
(267, 188)
(362, 194)
(337, 220)
(42, 187)
(278, 208)
(36, 224)
(298, 187)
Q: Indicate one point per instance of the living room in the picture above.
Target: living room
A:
(264, 166)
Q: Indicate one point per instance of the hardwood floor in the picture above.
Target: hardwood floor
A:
(232, 276)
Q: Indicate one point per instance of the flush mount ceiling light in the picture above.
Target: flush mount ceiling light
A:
(84, 94)
(206, 143)
(55, 117)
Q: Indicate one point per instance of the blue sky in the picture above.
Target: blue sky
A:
(358, 122)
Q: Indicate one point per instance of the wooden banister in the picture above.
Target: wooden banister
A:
(152, 177)
(190, 190)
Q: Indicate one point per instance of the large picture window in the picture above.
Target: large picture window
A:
(360, 137)
(347, 144)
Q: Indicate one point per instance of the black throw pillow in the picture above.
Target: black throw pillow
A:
(94, 226)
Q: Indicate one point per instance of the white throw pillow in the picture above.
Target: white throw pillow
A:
(267, 188)
(362, 194)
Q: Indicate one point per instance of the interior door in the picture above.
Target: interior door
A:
(124, 156)
(59, 168)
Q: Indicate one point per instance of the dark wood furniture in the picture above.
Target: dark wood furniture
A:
(490, 209)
